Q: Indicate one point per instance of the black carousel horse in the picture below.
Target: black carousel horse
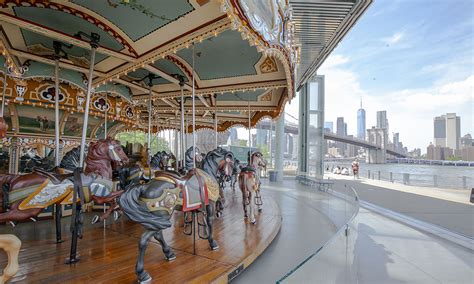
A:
(153, 204)
(220, 162)
(235, 173)
(31, 161)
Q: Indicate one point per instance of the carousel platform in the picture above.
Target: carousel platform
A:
(108, 255)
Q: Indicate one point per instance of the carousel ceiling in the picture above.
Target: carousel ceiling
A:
(243, 59)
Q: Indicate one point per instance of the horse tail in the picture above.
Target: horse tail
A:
(138, 212)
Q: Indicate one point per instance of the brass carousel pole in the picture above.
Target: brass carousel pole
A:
(150, 84)
(106, 115)
(3, 93)
(76, 222)
(194, 119)
(56, 110)
(215, 121)
(250, 138)
(183, 149)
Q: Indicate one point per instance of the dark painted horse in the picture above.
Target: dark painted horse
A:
(153, 204)
(220, 163)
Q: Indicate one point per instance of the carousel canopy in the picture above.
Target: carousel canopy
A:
(242, 59)
(245, 53)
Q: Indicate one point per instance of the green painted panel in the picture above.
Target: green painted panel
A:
(241, 96)
(36, 120)
(124, 91)
(226, 55)
(139, 21)
(37, 69)
(32, 38)
(66, 23)
(141, 73)
(100, 132)
(169, 67)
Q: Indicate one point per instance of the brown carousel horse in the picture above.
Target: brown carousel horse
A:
(153, 204)
(249, 183)
(25, 196)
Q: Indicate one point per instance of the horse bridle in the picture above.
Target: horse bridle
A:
(114, 154)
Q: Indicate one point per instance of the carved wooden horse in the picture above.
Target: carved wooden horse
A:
(11, 245)
(25, 196)
(249, 183)
(220, 163)
(152, 206)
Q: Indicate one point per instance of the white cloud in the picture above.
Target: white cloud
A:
(395, 38)
(409, 111)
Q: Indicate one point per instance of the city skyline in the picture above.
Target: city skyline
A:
(401, 66)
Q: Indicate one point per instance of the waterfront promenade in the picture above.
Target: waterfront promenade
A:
(382, 250)
(447, 208)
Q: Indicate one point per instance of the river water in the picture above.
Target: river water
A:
(420, 175)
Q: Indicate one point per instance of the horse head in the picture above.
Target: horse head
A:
(258, 161)
(102, 155)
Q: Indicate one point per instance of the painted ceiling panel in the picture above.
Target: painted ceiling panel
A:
(226, 55)
(169, 67)
(66, 23)
(32, 38)
(241, 96)
(120, 89)
(37, 69)
(141, 73)
(135, 23)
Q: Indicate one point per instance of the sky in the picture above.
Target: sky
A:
(412, 58)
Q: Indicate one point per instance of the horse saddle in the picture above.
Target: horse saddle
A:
(46, 194)
(248, 169)
(55, 177)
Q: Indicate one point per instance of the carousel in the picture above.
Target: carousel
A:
(76, 74)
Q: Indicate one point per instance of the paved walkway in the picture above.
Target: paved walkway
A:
(448, 208)
(384, 251)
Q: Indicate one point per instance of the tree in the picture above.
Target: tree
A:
(157, 143)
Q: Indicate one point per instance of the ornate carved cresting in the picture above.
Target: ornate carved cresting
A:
(268, 65)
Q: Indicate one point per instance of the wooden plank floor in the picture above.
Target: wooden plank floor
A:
(108, 255)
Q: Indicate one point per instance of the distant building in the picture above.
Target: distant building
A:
(329, 125)
(361, 122)
(447, 131)
(340, 128)
(396, 142)
(436, 152)
(382, 121)
(233, 136)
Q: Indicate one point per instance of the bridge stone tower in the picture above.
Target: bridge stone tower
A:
(379, 137)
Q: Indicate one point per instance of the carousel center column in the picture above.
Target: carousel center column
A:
(14, 156)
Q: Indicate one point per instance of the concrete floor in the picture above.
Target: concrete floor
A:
(378, 250)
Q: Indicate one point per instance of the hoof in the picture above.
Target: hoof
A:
(144, 277)
(260, 209)
(214, 245)
(218, 214)
(170, 256)
(117, 215)
(95, 219)
(253, 222)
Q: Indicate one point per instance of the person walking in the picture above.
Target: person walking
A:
(355, 168)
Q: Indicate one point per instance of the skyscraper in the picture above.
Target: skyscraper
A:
(361, 122)
(340, 128)
(447, 131)
(329, 125)
(382, 121)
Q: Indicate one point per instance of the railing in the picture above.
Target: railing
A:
(422, 180)
(332, 262)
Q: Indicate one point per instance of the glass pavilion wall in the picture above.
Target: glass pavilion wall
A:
(311, 117)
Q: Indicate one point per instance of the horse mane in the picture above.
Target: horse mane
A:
(188, 161)
(70, 160)
(211, 161)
